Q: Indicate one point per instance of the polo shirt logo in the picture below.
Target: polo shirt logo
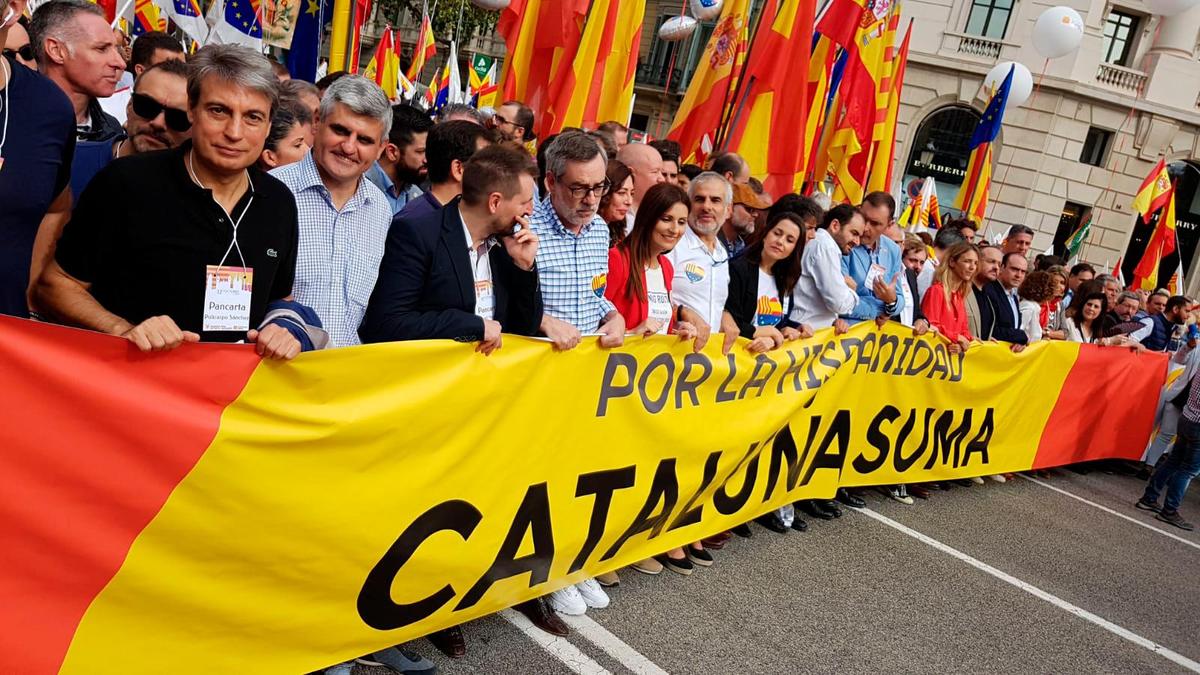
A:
(599, 283)
(694, 272)
(271, 253)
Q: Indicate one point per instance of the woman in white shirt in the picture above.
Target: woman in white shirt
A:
(1037, 289)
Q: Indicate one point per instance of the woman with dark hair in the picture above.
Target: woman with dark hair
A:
(761, 280)
(1052, 315)
(291, 134)
(944, 303)
(1084, 319)
(1037, 289)
(615, 203)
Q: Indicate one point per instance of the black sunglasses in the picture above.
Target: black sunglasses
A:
(24, 51)
(147, 108)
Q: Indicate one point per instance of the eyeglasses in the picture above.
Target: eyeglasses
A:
(581, 191)
(147, 108)
(25, 52)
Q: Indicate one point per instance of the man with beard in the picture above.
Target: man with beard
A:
(514, 122)
(401, 168)
(156, 117)
(736, 230)
(701, 281)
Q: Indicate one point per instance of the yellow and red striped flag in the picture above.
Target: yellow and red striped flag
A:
(774, 103)
(973, 194)
(384, 67)
(1154, 192)
(599, 85)
(714, 83)
(425, 49)
(1161, 244)
(541, 37)
(883, 156)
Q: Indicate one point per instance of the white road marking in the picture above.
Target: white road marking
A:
(598, 635)
(1080, 612)
(560, 648)
(1118, 514)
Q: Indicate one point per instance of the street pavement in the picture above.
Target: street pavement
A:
(1047, 576)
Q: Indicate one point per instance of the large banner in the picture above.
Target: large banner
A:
(202, 511)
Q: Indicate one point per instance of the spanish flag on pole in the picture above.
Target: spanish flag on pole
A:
(714, 83)
(541, 37)
(1154, 192)
(1161, 244)
(384, 67)
(425, 49)
(882, 160)
(599, 85)
(973, 195)
(772, 105)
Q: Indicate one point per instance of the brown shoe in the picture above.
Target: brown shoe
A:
(449, 642)
(717, 541)
(648, 566)
(540, 615)
(608, 579)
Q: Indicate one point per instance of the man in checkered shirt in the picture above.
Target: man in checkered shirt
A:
(344, 218)
(572, 258)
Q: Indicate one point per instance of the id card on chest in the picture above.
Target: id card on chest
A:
(227, 292)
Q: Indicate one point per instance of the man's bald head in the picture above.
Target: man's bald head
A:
(646, 164)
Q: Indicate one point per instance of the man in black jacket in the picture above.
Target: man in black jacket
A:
(460, 273)
(987, 311)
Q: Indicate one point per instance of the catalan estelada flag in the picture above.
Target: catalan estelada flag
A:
(1161, 245)
(540, 37)
(714, 83)
(972, 197)
(425, 49)
(1154, 192)
(599, 85)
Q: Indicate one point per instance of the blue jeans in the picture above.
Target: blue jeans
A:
(1178, 470)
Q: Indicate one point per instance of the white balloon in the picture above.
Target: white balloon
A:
(706, 10)
(1022, 83)
(491, 5)
(1170, 7)
(1058, 32)
(677, 28)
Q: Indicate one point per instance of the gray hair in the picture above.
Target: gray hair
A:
(823, 200)
(235, 64)
(460, 111)
(711, 177)
(1106, 279)
(362, 97)
(54, 20)
(572, 146)
(1129, 295)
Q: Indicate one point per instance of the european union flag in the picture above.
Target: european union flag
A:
(243, 16)
(186, 8)
(303, 57)
(989, 126)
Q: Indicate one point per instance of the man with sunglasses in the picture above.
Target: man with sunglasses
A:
(156, 117)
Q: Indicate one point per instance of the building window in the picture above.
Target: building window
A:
(989, 18)
(1095, 146)
(1119, 33)
(1073, 215)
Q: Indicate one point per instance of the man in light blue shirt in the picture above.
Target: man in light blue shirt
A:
(875, 264)
(401, 169)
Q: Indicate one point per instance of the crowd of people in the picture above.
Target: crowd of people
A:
(324, 216)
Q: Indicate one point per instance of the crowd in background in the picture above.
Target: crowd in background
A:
(171, 198)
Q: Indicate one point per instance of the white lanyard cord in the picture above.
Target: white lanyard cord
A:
(232, 244)
(8, 84)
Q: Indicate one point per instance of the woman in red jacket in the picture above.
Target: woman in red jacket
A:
(944, 304)
(639, 273)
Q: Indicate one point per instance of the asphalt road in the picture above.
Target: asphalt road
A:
(1019, 577)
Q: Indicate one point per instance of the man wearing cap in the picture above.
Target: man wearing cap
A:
(746, 206)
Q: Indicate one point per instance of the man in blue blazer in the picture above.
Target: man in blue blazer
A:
(462, 273)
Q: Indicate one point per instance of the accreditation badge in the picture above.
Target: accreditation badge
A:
(227, 298)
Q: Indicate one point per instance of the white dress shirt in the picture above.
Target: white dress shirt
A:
(701, 281)
(821, 295)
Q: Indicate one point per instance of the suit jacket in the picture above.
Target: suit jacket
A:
(1004, 326)
(426, 288)
(742, 302)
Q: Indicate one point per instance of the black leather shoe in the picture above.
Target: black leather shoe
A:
(799, 525)
(449, 642)
(742, 531)
(539, 614)
(772, 523)
(813, 508)
(831, 506)
(918, 491)
(848, 499)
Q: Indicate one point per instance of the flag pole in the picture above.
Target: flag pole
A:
(119, 14)
(340, 37)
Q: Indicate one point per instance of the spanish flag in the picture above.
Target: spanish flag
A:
(1154, 192)
(714, 83)
(772, 106)
(882, 159)
(1161, 244)
(425, 49)
(384, 67)
(599, 85)
(973, 195)
(541, 37)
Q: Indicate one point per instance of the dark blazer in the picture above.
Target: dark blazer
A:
(742, 301)
(998, 316)
(426, 288)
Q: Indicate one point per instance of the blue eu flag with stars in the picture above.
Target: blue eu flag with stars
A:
(243, 16)
(306, 39)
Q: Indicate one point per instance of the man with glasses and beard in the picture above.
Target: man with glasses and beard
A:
(156, 117)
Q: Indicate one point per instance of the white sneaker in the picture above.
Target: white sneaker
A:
(592, 594)
(568, 601)
(998, 477)
(978, 480)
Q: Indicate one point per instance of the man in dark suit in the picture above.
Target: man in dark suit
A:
(989, 311)
(460, 273)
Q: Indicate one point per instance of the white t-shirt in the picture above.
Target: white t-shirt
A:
(768, 311)
(658, 298)
(701, 280)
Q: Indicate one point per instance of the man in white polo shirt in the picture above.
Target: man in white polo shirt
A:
(701, 281)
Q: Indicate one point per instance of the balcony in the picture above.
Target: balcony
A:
(974, 46)
(655, 76)
(1125, 80)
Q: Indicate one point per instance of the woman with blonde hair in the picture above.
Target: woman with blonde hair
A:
(944, 304)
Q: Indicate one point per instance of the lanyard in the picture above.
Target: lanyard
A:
(234, 243)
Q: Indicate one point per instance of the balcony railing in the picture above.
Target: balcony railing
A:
(975, 45)
(653, 75)
(1125, 80)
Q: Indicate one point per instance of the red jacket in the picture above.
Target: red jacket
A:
(951, 320)
(634, 310)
